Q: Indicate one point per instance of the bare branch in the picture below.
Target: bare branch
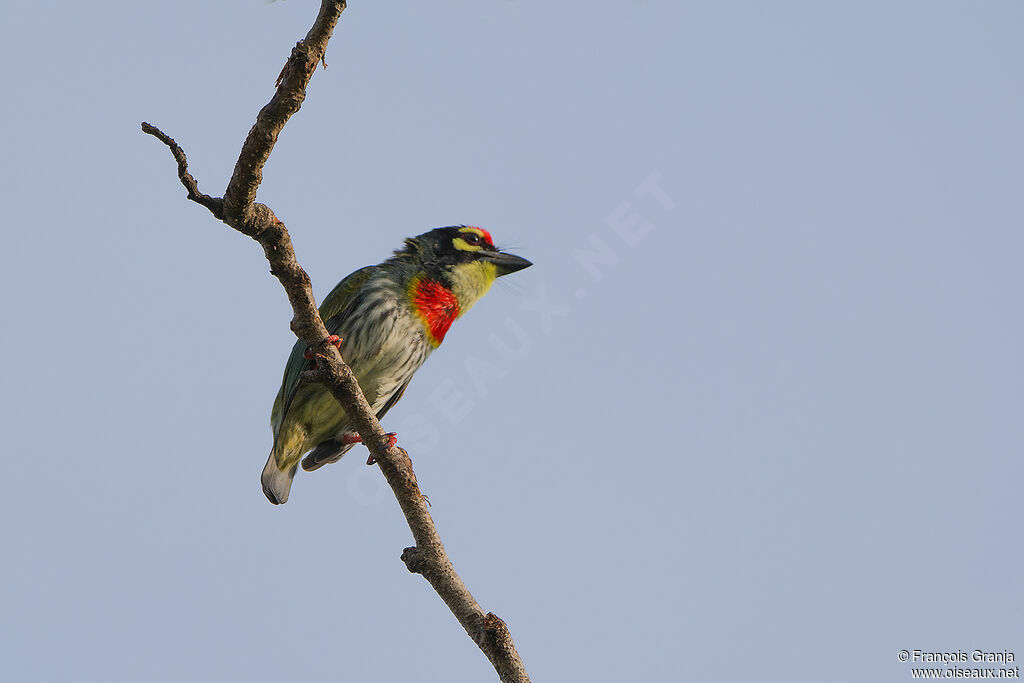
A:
(291, 92)
(215, 205)
(239, 210)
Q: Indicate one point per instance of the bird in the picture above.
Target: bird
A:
(386, 320)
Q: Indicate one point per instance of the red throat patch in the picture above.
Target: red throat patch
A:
(436, 306)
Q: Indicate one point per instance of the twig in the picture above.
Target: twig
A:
(239, 209)
(215, 205)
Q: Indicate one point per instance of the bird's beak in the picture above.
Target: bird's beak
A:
(507, 263)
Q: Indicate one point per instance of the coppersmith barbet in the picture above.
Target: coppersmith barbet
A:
(388, 319)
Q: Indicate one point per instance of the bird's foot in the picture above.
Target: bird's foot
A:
(391, 438)
(334, 340)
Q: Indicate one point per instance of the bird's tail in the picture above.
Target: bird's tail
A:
(277, 482)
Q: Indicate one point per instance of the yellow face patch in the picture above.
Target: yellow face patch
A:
(472, 239)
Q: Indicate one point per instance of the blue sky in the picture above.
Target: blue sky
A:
(754, 414)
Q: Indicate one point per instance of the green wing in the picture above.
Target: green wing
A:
(334, 304)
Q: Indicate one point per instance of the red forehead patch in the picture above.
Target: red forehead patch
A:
(487, 235)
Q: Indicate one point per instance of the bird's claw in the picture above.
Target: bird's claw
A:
(390, 439)
(333, 340)
(351, 438)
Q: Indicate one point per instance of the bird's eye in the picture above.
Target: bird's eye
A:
(471, 238)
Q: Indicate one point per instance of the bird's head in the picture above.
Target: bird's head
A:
(462, 258)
